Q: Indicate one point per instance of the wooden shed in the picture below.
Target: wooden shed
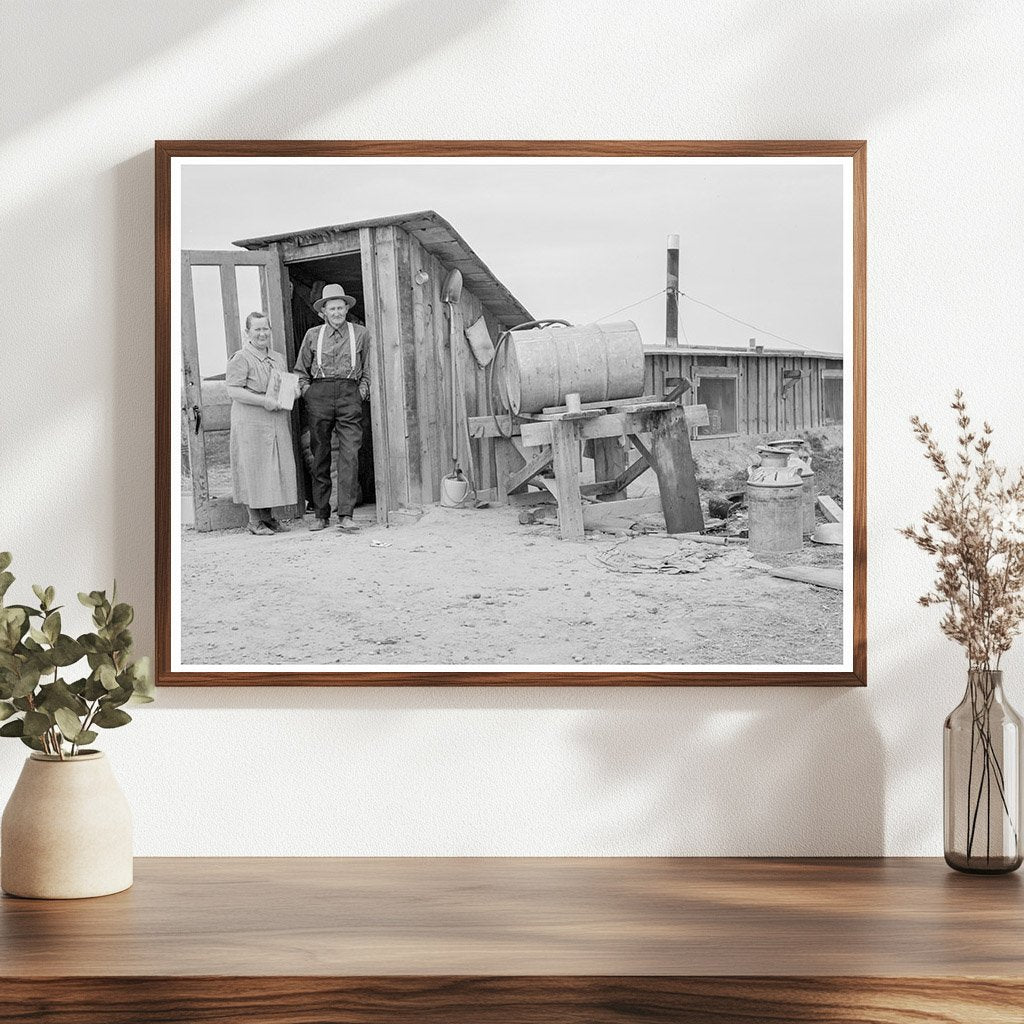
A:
(752, 390)
(395, 267)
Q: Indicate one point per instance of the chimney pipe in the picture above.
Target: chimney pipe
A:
(672, 293)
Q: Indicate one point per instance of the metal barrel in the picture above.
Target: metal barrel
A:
(601, 362)
(776, 511)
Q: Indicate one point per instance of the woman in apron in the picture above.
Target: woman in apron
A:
(262, 462)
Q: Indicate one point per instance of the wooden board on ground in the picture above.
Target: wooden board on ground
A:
(833, 513)
(831, 578)
(620, 515)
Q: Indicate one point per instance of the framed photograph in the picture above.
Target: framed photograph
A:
(492, 413)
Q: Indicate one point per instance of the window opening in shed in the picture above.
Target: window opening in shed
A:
(307, 279)
(832, 399)
(719, 394)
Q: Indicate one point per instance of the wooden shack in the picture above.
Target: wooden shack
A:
(395, 267)
(752, 390)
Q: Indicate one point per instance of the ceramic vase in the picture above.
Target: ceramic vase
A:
(66, 831)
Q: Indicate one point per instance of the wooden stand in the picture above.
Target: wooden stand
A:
(554, 438)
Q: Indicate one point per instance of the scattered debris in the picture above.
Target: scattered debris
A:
(652, 555)
(381, 544)
(833, 513)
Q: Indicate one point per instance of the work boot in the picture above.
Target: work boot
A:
(348, 524)
(317, 524)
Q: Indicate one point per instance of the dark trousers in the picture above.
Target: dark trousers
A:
(334, 404)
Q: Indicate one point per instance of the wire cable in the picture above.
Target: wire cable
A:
(745, 323)
(622, 309)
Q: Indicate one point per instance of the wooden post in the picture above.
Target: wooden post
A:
(672, 460)
(672, 293)
(565, 448)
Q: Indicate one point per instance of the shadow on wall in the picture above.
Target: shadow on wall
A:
(110, 35)
(823, 67)
(739, 772)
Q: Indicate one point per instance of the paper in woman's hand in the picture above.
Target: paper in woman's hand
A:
(283, 388)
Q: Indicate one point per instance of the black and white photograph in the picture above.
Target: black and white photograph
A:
(571, 415)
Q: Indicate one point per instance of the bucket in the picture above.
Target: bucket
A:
(775, 505)
(455, 490)
(601, 362)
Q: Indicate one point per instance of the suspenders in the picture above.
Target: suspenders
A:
(351, 350)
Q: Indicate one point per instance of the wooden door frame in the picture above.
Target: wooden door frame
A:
(223, 512)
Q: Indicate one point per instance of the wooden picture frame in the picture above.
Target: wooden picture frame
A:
(270, 256)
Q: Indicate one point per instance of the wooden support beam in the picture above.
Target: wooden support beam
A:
(541, 460)
(815, 575)
(565, 447)
(672, 461)
(612, 425)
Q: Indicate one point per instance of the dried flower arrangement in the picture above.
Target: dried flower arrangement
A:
(975, 528)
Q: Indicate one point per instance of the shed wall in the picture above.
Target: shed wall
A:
(763, 404)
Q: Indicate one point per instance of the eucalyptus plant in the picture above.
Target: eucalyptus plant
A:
(37, 705)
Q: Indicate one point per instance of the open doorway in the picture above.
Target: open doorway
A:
(307, 279)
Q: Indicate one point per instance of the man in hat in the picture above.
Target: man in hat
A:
(334, 370)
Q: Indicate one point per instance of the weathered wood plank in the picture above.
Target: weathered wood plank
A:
(410, 366)
(612, 425)
(672, 460)
(229, 305)
(832, 579)
(833, 512)
(519, 477)
(424, 364)
(337, 245)
(193, 399)
(390, 322)
(378, 416)
(774, 371)
(507, 460)
(565, 447)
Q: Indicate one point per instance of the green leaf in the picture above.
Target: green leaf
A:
(66, 651)
(31, 741)
(122, 616)
(27, 682)
(51, 626)
(5, 560)
(94, 689)
(107, 676)
(13, 728)
(69, 724)
(110, 718)
(59, 695)
(50, 594)
(6, 579)
(89, 600)
(94, 644)
(6, 710)
(36, 723)
(86, 736)
(38, 635)
(40, 593)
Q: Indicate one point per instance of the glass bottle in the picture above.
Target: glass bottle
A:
(981, 776)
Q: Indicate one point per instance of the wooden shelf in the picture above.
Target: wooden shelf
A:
(573, 941)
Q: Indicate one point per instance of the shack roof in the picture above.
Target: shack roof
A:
(739, 350)
(438, 237)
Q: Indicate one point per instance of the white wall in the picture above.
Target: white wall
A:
(936, 89)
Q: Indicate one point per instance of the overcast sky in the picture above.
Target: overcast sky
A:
(577, 241)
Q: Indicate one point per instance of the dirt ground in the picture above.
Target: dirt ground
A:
(475, 587)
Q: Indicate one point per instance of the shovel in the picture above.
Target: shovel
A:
(457, 490)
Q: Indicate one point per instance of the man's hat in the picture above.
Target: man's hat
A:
(333, 291)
